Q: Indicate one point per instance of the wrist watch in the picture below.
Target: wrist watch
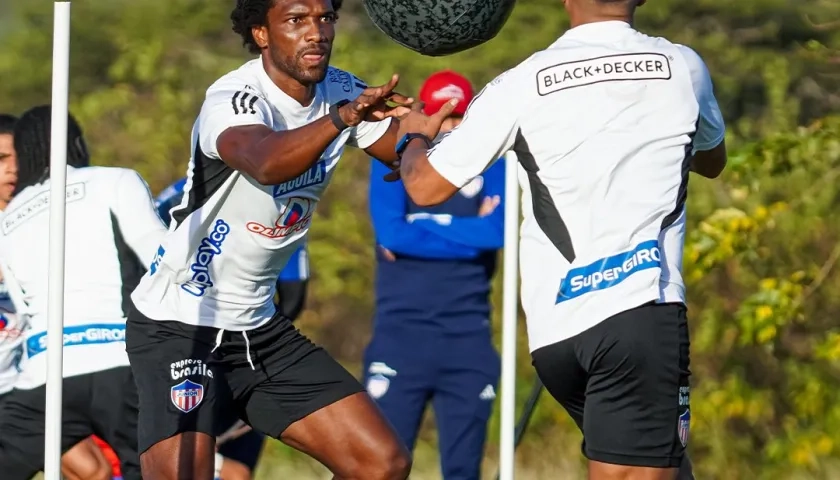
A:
(336, 118)
(407, 138)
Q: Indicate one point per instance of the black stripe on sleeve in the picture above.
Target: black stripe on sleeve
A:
(233, 103)
(252, 103)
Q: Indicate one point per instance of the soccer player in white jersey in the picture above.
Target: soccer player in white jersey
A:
(607, 123)
(204, 336)
(112, 231)
(83, 461)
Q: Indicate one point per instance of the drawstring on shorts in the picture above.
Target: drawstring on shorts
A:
(247, 345)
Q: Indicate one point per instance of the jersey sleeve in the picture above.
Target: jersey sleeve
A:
(346, 86)
(487, 131)
(710, 125)
(138, 220)
(226, 107)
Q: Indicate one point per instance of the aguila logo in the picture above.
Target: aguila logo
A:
(295, 216)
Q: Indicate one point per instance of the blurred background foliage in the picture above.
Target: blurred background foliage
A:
(763, 240)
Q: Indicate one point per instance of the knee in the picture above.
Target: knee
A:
(392, 463)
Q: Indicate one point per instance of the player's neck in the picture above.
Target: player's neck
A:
(301, 93)
(3, 205)
(594, 17)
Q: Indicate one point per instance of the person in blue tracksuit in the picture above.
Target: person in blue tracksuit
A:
(238, 456)
(432, 339)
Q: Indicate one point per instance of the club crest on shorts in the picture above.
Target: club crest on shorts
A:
(683, 426)
(377, 385)
(187, 395)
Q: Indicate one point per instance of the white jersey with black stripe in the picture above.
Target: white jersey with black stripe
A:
(603, 123)
(230, 236)
(112, 232)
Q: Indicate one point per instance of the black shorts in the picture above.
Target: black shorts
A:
(190, 378)
(625, 384)
(101, 403)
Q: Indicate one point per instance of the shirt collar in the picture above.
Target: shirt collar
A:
(596, 29)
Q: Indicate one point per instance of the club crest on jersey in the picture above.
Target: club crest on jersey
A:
(315, 175)
(683, 426)
(296, 216)
(473, 188)
(187, 395)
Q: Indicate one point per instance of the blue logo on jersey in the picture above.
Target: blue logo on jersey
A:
(609, 271)
(158, 258)
(315, 175)
(79, 335)
(211, 245)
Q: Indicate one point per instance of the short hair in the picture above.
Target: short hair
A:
(248, 14)
(7, 124)
(32, 145)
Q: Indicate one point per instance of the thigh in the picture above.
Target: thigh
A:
(180, 386)
(637, 408)
(399, 383)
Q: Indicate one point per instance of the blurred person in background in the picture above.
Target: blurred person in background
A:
(83, 461)
(432, 339)
(112, 231)
(237, 457)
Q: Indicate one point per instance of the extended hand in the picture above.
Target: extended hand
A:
(372, 104)
(415, 121)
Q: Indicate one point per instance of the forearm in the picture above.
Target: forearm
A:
(422, 182)
(284, 155)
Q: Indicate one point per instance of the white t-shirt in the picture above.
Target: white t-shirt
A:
(112, 231)
(230, 237)
(603, 123)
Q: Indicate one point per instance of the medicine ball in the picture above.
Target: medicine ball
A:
(439, 27)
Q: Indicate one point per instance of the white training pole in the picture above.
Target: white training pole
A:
(510, 313)
(58, 192)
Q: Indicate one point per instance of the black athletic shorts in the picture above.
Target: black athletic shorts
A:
(189, 378)
(101, 403)
(625, 384)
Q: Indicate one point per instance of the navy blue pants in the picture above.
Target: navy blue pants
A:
(405, 370)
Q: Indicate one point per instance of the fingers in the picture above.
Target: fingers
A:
(445, 110)
(399, 99)
(393, 176)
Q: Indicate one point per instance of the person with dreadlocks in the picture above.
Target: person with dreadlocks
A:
(84, 461)
(266, 143)
(112, 231)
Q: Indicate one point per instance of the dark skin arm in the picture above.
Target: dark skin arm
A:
(710, 163)
(273, 157)
(385, 149)
(422, 182)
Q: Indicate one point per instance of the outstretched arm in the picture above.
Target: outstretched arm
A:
(433, 174)
(485, 232)
(395, 233)
(247, 139)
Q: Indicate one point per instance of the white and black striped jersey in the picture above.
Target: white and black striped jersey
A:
(230, 236)
(112, 233)
(604, 122)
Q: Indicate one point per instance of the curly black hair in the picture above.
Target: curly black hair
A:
(7, 123)
(248, 14)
